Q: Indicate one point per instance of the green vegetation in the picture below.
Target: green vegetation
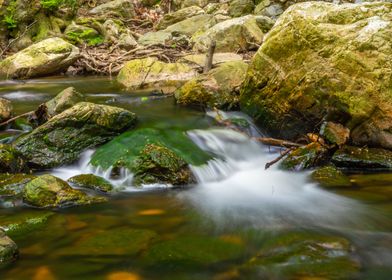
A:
(52, 5)
(9, 18)
(89, 36)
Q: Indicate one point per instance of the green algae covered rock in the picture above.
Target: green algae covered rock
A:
(13, 184)
(152, 73)
(322, 60)
(61, 139)
(305, 157)
(124, 150)
(218, 88)
(5, 109)
(331, 177)
(91, 181)
(177, 16)
(11, 160)
(233, 35)
(158, 164)
(8, 249)
(47, 57)
(300, 255)
(47, 191)
(362, 158)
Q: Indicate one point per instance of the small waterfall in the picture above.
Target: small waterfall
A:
(235, 188)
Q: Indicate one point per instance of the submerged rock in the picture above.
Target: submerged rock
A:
(158, 164)
(300, 255)
(368, 158)
(193, 251)
(13, 184)
(152, 73)
(10, 160)
(305, 157)
(47, 191)
(119, 8)
(331, 177)
(47, 57)
(113, 242)
(233, 35)
(5, 109)
(179, 15)
(8, 249)
(217, 88)
(91, 181)
(66, 135)
(325, 61)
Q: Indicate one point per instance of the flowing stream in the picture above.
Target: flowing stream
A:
(210, 230)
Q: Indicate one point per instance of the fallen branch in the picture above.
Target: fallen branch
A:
(15, 118)
(282, 155)
(277, 142)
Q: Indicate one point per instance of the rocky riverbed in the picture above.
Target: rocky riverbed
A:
(101, 100)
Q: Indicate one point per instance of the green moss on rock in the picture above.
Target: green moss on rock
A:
(158, 164)
(11, 160)
(8, 249)
(324, 60)
(66, 135)
(331, 177)
(47, 191)
(13, 184)
(91, 181)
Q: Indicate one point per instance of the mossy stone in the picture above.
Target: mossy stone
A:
(91, 181)
(330, 177)
(305, 157)
(11, 160)
(8, 249)
(64, 100)
(62, 139)
(362, 158)
(5, 109)
(13, 184)
(179, 15)
(48, 191)
(158, 164)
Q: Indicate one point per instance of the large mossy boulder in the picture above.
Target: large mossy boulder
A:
(91, 181)
(118, 8)
(48, 191)
(152, 73)
(60, 140)
(79, 34)
(8, 249)
(218, 88)
(11, 160)
(325, 61)
(158, 164)
(47, 57)
(233, 35)
(362, 158)
(153, 155)
(177, 16)
(5, 109)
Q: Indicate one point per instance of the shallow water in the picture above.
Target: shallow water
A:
(212, 230)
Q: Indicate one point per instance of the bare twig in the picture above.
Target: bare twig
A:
(282, 155)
